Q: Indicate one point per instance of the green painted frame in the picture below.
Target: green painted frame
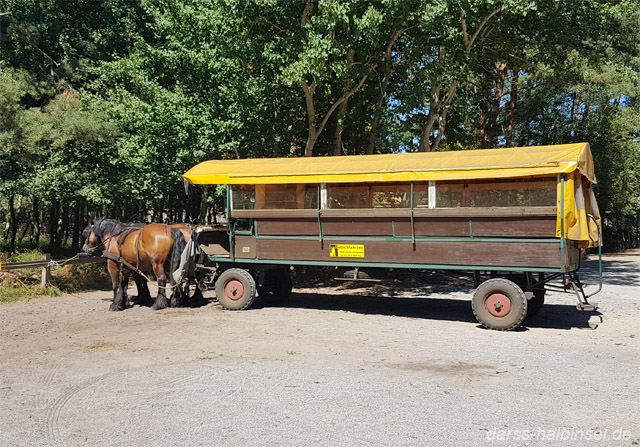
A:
(413, 238)
(225, 260)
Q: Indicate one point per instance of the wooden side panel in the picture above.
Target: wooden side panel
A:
(289, 227)
(525, 226)
(245, 247)
(571, 256)
(531, 226)
(449, 253)
(434, 226)
(360, 226)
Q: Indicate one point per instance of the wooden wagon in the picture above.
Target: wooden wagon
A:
(514, 219)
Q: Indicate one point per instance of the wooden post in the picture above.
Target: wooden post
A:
(46, 271)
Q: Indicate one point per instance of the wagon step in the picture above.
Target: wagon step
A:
(358, 279)
(587, 306)
(356, 275)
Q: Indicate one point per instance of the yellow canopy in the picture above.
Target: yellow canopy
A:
(415, 166)
(574, 159)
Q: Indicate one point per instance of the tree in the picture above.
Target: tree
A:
(331, 49)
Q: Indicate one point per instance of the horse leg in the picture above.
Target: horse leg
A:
(177, 293)
(176, 290)
(114, 271)
(144, 296)
(161, 299)
(126, 303)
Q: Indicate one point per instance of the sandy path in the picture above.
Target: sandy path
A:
(401, 365)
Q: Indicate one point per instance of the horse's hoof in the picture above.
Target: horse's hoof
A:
(197, 295)
(115, 308)
(159, 307)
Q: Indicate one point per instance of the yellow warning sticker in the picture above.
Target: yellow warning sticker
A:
(346, 251)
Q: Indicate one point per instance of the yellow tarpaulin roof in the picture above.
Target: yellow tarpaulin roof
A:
(415, 166)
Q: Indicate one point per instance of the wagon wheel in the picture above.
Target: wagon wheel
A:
(535, 304)
(499, 304)
(235, 289)
(277, 286)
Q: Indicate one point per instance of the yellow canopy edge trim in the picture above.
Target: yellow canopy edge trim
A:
(415, 166)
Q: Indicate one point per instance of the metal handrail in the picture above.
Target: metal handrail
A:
(599, 256)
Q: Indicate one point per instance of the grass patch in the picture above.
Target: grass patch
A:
(9, 294)
(24, 284)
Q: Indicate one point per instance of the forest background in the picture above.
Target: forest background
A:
(105, 104)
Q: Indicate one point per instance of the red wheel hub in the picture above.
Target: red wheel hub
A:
(498, 304)
(234, 290)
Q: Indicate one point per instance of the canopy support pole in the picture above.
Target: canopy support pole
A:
(413, 232)
(562, 260)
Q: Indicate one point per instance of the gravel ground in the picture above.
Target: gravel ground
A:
(398, 363)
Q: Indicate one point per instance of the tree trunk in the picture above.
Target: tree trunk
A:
(342, 111)
(442, 124)
(28, 228)
(512, 105)
(311, 142)
(434, 104)
(311, 118)
(202, 217)
(276, 143)
(490, 134)
(13, 224)
(316, 130)
(576, 113)
(425, 145)
(77, 225)
(438, 108)
(375, 124)
(53, 225)
(64, 227)
(36, 220)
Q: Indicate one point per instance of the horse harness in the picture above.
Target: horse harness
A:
(119, 259)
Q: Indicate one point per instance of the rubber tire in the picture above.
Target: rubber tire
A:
(508, 288)
(248, 283)
(535, 304)
(277, 286)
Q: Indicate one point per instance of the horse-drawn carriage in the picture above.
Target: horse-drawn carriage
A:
(514, 220)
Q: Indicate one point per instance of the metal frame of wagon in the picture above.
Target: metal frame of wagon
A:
(571, 164)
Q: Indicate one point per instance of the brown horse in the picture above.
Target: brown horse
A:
(150, 248)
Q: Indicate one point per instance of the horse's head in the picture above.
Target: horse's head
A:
(92, 235)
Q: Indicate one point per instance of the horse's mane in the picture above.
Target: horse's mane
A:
(103, 227)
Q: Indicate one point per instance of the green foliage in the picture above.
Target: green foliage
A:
(104, 105)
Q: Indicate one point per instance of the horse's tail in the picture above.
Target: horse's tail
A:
(179, 244)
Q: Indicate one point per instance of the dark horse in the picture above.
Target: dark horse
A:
(150, 248)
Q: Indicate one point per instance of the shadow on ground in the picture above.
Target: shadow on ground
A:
(192, 303)
(552, 316)
(408, 295)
